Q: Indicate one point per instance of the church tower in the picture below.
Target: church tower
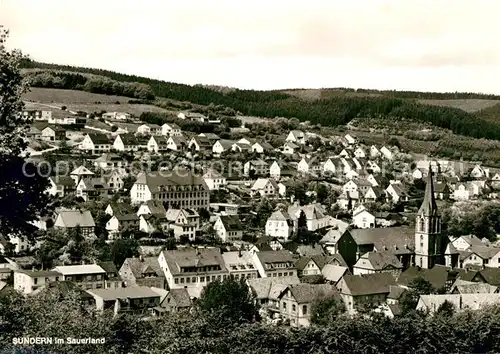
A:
(430, 246)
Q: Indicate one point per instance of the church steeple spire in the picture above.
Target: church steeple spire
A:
(429, 206)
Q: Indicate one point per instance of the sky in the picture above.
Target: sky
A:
(425, 45)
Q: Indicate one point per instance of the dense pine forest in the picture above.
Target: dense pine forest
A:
(332, 111)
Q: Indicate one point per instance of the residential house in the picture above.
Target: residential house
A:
(464, 243)
(116, 116)
(267, 243)
(461, 302)
(241, 147)
(214, 180)
(471, 287)
(387, 153)
(289, 148)
(53, 133)
(171, 129)
(221, 146)
(26, 281)
(356, 242)
(121, 222)
(133, 299)
(419, 173)
(267, 290)
(36, 115)
(330, 239)
(177, 188)
(151, 207)
(157, 144)
(116, 180)
(307, 165)
(333, 273)
(176, 300)
(79, 173)
(275, 263)
(365, 290)
(72, 219)
(200, 143)
(279, 225)
(478, 172)
(142, 271)
(73, 120)
(92, 189)
(313, 264)
(373, 194)
(296, 301)
(183, 222)
(315, 216)
(192, 269)
(176, 143)
(95, 144)
(442, 191)
(345, 154)
(362, 218)
(296, 136)
(87, 276)
(397, 192)
(330, 166)
(462, 192)
(110, 161)
(262, 147)
(378, 262)
(356, 188)
(387, 219)
(228, 228)
(61, 186)
(193, 116)
(481, 256)
(130, 142)
(150, 223)
(265, 187)
(359, 152)
(256, 168)
(149, 129)
(374, 152)
(240, 265)
(350, 139)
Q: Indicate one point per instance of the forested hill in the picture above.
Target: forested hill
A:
(335, 110)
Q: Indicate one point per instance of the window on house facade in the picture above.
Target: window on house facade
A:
(304, 310)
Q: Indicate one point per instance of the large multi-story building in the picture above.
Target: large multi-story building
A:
(176, 189)
(192, 269)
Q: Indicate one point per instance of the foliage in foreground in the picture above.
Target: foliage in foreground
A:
(56, 315)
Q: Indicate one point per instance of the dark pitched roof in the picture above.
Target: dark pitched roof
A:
(382, 260)
(231, 222)
(181, 297)
(429, 206)
(491, 275)
(138, 266)
(369, 284)
(308, 293)
(99, 139)
(395, 292)
(399, 240)
(109, 267)
(437, 276)
(193, 258)
(271, 257)
(179, 177)
(66, 287)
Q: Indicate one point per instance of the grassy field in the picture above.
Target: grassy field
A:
(83, 101)
(468, 105)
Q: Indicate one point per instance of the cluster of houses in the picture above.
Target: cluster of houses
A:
(369, 259)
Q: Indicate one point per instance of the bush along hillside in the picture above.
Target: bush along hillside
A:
(331, 111)
(89, 83)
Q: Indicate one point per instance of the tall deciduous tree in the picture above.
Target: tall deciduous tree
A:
(22, 196)
(231, 298)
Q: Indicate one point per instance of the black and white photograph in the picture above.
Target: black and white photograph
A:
(247, 177)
